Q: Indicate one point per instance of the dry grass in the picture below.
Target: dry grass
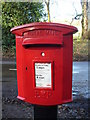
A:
(80, 50)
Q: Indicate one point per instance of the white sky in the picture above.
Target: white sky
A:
(64, 9)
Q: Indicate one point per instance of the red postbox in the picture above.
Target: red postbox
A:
(44, 62)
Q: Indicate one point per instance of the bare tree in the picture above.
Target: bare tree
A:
(47, 2)
(84, 21)
(84, 4)
(77, 15)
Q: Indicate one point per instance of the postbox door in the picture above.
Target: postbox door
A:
(43, 74)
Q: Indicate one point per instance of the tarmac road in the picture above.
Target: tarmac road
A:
(80, 78)
(14, 108)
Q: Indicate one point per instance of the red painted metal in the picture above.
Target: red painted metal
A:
(56, 42)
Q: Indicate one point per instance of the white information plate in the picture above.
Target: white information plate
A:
(43, 75)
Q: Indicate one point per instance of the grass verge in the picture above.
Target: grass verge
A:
(80, 50)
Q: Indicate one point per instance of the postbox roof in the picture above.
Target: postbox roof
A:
(65, 29)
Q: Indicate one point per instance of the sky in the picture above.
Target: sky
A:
(64, 9)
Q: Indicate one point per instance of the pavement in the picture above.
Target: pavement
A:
(14, 108)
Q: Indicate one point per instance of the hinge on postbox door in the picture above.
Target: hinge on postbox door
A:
(62, 43)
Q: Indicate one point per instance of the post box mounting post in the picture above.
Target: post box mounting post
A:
(45, 112)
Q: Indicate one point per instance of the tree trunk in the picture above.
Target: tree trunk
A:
(48, 9)
(84, 19)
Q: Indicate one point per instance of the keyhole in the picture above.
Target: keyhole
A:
(26, 68)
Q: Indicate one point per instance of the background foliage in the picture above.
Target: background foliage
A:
(18, 13)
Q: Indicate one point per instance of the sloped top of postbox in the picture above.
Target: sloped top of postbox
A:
(65, 29)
